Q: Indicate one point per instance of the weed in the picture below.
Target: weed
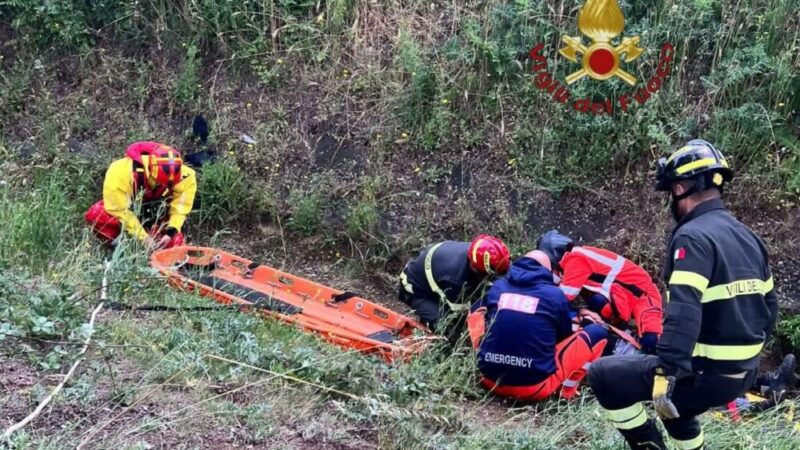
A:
(222, 194)
(33, 308)
(14, 85)
(789, 329)
(187, 85)
(306, 216)
(39, 221)
(363, 217)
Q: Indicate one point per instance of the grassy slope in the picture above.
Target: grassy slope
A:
(150, 380)
(372, 138)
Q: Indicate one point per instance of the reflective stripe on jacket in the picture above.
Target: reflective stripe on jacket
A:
(441, 271)
(119, 194)
(721, 303)
(628, 286)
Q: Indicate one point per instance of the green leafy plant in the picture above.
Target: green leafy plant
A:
(187, 85)
(222, 194)
(789, 328)
(306, 216)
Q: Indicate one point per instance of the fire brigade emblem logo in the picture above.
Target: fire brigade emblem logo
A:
(601, 21)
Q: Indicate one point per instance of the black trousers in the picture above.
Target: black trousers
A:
(428, 309)
(621, 383)
(434, 315)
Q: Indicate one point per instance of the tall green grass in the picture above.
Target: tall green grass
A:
(40, 219)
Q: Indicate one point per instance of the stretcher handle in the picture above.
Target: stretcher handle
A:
(343, 297)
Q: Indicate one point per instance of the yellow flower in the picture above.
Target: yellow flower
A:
(445, 101)
(231, 152)
(417, 169)
(404, 135)
(279, 61)
(248, 105)
(780, 105)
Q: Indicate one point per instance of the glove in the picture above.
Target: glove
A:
(648, 341)
(662, 396)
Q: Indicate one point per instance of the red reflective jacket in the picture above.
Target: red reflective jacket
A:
(629, 288)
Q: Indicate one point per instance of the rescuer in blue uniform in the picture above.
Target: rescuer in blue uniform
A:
(721, 310)
(529, 350)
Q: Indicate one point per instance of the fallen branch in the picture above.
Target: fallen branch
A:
(46, 401)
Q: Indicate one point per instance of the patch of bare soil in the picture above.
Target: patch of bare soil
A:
(16, 381)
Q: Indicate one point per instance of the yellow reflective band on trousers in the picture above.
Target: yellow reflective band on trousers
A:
(705, 162)
(429, 273)
(736, 288)
(692, 279)
(628, 418)
(727, 352)
(690, 444)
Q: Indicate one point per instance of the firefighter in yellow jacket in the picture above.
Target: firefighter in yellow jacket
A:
(148, 193)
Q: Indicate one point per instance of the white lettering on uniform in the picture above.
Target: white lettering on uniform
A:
(518, 302)
(509, 360)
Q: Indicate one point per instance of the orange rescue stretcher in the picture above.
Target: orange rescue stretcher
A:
(342, 318)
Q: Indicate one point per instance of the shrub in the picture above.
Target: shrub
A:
(306, 212)
(188, 82)
(789, 329)
(223, 196)
(363, 217)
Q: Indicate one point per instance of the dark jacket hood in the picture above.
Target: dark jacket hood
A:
(527, 272)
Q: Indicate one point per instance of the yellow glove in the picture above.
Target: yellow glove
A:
(662, 396)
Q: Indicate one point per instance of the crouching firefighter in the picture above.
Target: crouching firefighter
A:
(450, 273)
(529, 350)
(613, 286)
(152, 176)
(721, 310)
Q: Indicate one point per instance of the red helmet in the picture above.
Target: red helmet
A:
(489, 255)
(165, 166)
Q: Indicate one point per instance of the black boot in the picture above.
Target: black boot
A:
(775, 382)
(644, 437)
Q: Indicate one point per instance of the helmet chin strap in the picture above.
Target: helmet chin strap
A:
(677, 198)
(702, 183)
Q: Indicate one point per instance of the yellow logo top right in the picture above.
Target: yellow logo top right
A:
(601, 21)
